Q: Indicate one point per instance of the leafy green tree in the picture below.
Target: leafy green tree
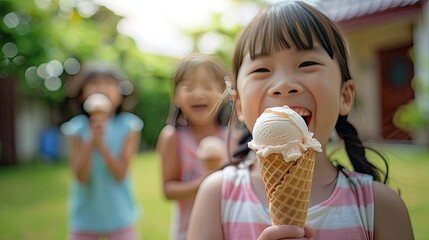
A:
(44, 42)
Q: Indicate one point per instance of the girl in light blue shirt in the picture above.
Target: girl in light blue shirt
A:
(103, 141)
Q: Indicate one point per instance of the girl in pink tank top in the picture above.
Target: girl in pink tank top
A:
(292, 54)
(193, 145)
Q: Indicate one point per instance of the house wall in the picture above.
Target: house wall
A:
(364, 44)
(37, 135)
(32, 117)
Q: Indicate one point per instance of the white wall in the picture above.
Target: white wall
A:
(31, 118)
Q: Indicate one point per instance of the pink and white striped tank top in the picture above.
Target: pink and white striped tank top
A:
(191, 168)
(347, 214)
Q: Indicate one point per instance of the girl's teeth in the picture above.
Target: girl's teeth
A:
(302, 111)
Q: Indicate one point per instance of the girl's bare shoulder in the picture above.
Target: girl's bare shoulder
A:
(213, 182)
(166, 137)
(391, 218)
(386, 195)
(167, 131)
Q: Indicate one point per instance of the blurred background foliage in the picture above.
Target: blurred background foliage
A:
(44, 43)
(413, 116)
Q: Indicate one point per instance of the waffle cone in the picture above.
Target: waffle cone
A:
(288, 186)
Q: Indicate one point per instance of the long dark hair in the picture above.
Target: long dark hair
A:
(296, 24)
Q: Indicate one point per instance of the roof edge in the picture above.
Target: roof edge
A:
(381, 16)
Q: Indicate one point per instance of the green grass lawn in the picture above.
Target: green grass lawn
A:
(33, 199)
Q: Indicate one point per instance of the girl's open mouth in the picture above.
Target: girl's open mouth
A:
(304, 113)
(199, 107)
(307, 119)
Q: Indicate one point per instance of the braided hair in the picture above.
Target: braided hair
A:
(356, 150)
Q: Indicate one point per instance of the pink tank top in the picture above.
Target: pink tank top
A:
(192, 168)
(347, 214)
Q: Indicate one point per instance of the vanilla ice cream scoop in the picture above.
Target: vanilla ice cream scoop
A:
(281, 130)
(211, 147)
(97, 102)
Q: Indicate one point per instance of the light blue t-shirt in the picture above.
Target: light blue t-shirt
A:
(103, 204)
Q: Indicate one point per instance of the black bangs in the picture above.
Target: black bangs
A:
(290, 24)
(287, 25)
